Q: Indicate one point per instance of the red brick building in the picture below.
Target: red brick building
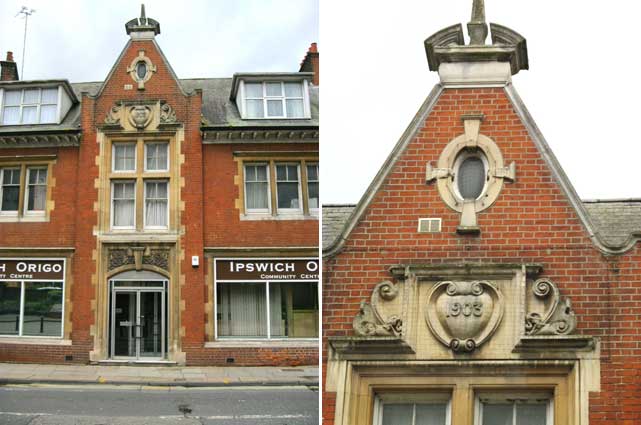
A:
(149, 218)
(470, 284)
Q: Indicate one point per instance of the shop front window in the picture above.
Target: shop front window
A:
(267, 309)
(31, 308)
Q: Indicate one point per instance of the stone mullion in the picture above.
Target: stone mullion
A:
(303, 182)
(140, 188)
(272, 187)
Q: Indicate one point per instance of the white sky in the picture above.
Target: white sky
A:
(582, 86)
(80, 40)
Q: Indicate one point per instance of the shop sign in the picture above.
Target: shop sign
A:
(266, 269)
(31, 269)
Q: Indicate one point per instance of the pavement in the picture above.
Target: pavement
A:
(163, 376)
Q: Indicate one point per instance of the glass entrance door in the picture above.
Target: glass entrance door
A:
(138, 320)
(124, 324)
(150, 328)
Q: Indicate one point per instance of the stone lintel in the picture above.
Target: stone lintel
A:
(464, 270)
(370, 345)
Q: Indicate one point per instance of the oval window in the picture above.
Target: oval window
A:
(141, 70)
(471, 178)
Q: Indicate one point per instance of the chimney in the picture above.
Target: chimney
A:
(8, 69)
(310, 63)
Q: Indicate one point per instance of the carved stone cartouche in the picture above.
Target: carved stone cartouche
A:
(463, 315)
(140, 116)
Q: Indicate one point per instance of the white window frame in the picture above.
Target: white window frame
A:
(144, 212)
(22, 294)
(159, 170)
(27, 211)
(2, 170)
(38, 105)
(269, 195)
(304, 87)
(462, 156)
(308, 164)
(113, 209)
(413, 399)
(514, 399)
(113, 156)
(298, 210)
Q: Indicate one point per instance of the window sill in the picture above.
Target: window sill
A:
(275, 118)
(23, 219)
(259, 217)
(263, 343)
(33, 340)
(144, 236)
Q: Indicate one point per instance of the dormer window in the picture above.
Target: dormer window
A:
(274, 99)
(30, 106)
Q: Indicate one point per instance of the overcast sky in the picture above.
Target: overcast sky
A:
(582, 88)
(80, 40)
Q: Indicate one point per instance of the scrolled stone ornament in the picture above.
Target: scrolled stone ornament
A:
(367, 324)
(558, 319)
(466, 346)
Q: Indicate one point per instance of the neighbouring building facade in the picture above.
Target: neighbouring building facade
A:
(470, 285)
(151, 218)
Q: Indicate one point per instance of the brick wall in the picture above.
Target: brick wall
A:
(531, 221)
(59, 231)
(223, 226)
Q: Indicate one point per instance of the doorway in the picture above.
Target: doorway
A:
(138, 319)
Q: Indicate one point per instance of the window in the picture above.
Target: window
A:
(10, 189)
(288, 188)
(274, 99)
(515, 410)
(412, 409)
(36, 190)
(24, 191)
(470, 171)
(257, 188)
(123, 204)
(141, 70)
(312, 186)
(156, 158)
(140, 185)
(156, 204)
(30, 106)
(31, 308)
(124, 157)
(267, 309)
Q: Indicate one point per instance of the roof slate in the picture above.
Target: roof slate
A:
(615, 220)
(334, 219)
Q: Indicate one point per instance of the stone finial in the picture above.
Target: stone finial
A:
(143, 17)
(448, 46)
(143, 25)
(477, 28)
